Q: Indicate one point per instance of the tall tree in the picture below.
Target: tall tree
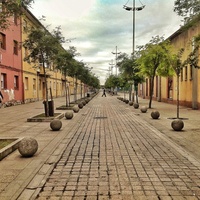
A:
(42, 47)
(112, 82)
(64, 61)
(8, 8)
(187, 8)
(177, 65)
(154, 59)
(130, 70)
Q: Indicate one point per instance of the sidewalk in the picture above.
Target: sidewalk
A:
(109, 150)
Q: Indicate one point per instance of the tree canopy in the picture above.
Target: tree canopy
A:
(155, 60)
(187, 8)
(8, 8)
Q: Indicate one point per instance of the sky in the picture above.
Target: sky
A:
(102, 29)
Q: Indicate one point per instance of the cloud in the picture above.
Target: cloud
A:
(96, 27)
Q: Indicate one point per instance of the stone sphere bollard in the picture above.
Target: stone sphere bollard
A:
(87, 100)
(80, 105)
(69, 114)
(136, 105)
(28, 147)
(126, 101)
(177, 124)
(84, 102)
(76, 109)
(143, 109)
(56, 125)
(130, 103)
(155, 114)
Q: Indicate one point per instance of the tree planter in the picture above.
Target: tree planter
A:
(155, 114)
(56, 125)
(136, 105)
(76, 109)
(143, 109)
(69, 114)
(177, 125)
(28, 147)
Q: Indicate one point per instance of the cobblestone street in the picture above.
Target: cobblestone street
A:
(112, 153)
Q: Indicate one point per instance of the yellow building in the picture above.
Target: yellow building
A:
(165, 89)
(33, 75)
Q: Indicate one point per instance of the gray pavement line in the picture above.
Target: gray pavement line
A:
(35, 171)
(63, 144)
(181, 150)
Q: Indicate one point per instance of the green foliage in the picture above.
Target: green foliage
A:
(176, 62)
(154, 58)
(43, 46)
(129, 69)
(193, 57)
(112, 81)
(187, 8)
(9, 8)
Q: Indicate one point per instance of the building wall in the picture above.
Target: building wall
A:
(22, 82)
(11, 63)
(189, 82)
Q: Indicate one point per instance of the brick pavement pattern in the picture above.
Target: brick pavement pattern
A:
(111, 153)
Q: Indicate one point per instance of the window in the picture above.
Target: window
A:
(24, 25)
(34, 84)
(26, 83)
(25, 52)
(3, 81)
(2, 41)
(186, 73)
(191, 72)
(15, 18)
(15, 47)
(2, 7)
(181, 74)
(40, 84)
(16, 82)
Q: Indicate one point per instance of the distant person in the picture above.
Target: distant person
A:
(104, 92)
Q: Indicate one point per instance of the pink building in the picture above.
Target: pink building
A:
(11, 63)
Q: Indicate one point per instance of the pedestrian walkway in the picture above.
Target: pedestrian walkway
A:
(108, 150)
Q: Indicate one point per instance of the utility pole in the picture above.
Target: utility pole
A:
(116, 53)
(133, 51)
(111, 66)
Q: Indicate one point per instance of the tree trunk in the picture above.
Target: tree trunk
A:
(151, 90)
(46, 88)
(136, 92)
(66, 95)
(177, 96)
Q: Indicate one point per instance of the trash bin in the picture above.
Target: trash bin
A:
(51, 107)
(88, 94)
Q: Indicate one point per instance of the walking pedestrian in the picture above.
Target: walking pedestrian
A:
(104, 92)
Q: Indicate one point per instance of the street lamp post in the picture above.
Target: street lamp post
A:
(133, 48)
(133, 9)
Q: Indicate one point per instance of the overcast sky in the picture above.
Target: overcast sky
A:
(96, 27)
